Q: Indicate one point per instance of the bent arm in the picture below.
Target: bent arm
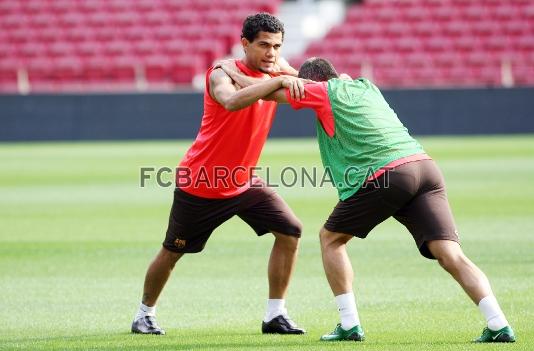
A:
(224, 92)
(295, 85)
(230, 68)
(278, 96)
(241, 79)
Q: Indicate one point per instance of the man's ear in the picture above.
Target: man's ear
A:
(245, 43)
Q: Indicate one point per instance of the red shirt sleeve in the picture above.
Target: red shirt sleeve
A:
(316, 98)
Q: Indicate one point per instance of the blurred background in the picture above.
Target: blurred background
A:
(134, 69)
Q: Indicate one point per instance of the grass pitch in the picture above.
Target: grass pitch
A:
(77, 233)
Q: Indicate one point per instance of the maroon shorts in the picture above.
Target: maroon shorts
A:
(193, 219)
(413, 193)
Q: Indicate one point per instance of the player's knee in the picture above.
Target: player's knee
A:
(170, 257)
(323, 236)
(288, 242)
(451, 261)
(296, 227)
(330, 239)
(326, 238)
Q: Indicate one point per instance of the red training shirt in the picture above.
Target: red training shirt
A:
(220, 162)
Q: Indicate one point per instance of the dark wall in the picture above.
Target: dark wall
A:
(170, 116)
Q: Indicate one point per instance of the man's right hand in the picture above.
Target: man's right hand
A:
(228, 66)
(295, 86)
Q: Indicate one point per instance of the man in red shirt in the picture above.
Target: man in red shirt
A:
(214, 180)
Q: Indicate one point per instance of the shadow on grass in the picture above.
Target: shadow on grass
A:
(215, 340)
(190, 340)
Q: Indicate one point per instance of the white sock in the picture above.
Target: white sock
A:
(346, 304)
(145, 310)
(492, 312)
(275, 307)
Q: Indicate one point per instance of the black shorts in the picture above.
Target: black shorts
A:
(413, 193)
(193, 219)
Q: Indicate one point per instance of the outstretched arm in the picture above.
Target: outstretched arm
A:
(296, 89)
(278, 96)
(233, 72)
(224, 92)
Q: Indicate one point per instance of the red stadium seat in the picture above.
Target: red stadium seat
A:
(396, 29)
(466, 44)
(472, 13)
(406, 45)
(415, 14)
(10, 7)
(95, 70)
(407, 42)
(456, 28)
(89, 49)
(496, 44)
(60, 49)
(417, 60)
(386, 14)
(8, 74)
(434, 4)
(444, 14)
(447, 59)
(43, 20)
(516, 28)
(505, 13)
(99, 41)
(183, 70)
(377, 45)
(392, 77)
(488, 76)
(67, 70)
(123, 69)
(117, 6)
(31, 50)
(523, 75)
(158, 68)
(434, 42)
(437, 45)
(525, 44)
(117, 48)
(40, 69)
(483, 28)
(426, 29)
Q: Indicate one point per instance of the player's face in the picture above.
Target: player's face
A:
(262, 54)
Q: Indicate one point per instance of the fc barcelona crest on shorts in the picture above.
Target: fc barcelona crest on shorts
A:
(179, 243)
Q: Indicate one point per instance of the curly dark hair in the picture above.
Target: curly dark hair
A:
(317, 69)
(261, 22)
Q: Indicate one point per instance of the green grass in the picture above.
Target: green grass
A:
(77, 233)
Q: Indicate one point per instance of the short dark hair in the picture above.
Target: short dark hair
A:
(317, 69)
(261, 22)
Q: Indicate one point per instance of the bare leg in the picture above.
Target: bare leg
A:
(282, 264)
(157, 275)
(281, 267)
(451, 257)
(336, 262)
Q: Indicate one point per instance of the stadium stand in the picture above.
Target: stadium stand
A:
(69, 45)
(103, 45)
(420, 43)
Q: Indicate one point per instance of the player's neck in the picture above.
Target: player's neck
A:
(251, 68)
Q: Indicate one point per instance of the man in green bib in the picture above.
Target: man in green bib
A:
(380, 171)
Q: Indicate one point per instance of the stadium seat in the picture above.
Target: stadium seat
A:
(60, 42)
(435, 42)
(462, 41)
